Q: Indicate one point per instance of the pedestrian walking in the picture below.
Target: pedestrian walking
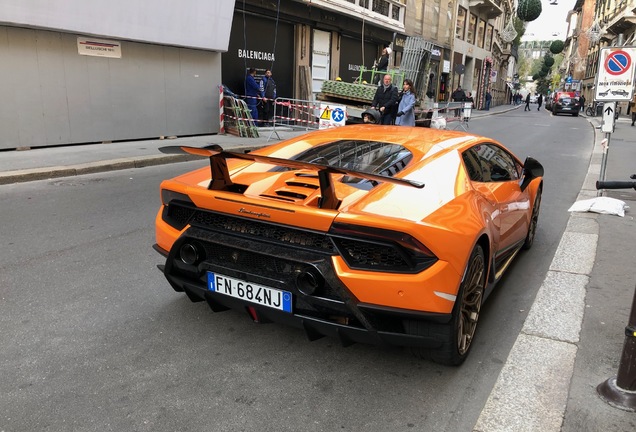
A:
(406, 108)
(470, 99)
(252, 93)
(527, 107)
(633, 107)
(385, 98)
(488, 100)
(268, 88)
(458, 96)
(539, 102)
(582, 103)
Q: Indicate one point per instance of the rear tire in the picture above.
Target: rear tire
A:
(534, 219)
(458, 334)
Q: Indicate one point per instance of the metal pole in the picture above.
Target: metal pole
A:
(620, 391)
(605, 145)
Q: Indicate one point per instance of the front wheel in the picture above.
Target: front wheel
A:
(457, 335)
(589, 112)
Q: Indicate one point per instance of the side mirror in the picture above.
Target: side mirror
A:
(531, 170)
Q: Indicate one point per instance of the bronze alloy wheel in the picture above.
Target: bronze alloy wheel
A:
(472, 294)
(457, 335)
(534, 220)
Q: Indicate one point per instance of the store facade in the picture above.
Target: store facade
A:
(303, 46)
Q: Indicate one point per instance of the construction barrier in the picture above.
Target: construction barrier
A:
(446, 115)
(296, 114)
(237, 118)
(221, 111)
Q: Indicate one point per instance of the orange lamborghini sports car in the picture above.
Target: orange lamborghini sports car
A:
(366, 233)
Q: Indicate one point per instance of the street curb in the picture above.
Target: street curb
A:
(34, 174)
(532, 389)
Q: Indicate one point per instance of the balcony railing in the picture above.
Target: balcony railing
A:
(388, 13)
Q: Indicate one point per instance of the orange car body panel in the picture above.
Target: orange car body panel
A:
(448, 215)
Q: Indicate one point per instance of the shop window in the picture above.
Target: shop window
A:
(472, 27)
(381, 7)
(488, 43)
(395, 12)
(461, 23)
(481, 30)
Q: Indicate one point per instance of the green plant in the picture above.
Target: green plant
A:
(529, 10)
(556, 47)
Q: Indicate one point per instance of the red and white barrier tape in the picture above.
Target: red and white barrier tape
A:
(221, 111)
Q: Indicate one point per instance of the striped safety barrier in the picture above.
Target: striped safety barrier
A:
(221, 111)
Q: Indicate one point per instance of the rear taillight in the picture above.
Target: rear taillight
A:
(178, 208)
(378, 249)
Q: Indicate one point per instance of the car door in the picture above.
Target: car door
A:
(498, 182)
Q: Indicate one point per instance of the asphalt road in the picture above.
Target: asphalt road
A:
(94, 338)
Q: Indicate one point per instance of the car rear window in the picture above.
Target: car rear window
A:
(358, 155)
(374, 157)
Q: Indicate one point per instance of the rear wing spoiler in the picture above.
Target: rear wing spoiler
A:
(221, 177)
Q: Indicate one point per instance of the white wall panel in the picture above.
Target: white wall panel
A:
(51, 95)
(187, 23)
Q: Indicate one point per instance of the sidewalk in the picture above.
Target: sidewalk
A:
(573, 337)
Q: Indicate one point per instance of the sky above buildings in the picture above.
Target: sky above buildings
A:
(552, 23)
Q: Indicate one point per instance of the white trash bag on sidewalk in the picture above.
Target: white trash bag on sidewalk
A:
(603, 205)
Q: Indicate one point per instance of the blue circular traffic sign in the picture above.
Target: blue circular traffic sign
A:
(337, 115)
(618, 63)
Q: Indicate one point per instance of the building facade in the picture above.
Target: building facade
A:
(482, 61)
(307, 42)
(78, 72)
(433, 20)
(594, 25)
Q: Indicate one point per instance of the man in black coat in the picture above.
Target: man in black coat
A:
(458, 95)
(384, 101)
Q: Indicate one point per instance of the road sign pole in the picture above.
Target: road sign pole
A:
(607, 126)
(620, 391)
(605, 145)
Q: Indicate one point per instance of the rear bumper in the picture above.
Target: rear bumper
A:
(332, 311)
(314, 327)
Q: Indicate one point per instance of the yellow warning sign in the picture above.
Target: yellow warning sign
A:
(326, 114)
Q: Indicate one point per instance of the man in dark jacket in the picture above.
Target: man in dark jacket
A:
(384, 101)
(527, 107)
(458, 95)
(252, 93)
(268, 92)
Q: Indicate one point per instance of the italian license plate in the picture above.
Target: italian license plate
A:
(251, 292)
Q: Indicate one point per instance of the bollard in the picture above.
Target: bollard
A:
(620, 391)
